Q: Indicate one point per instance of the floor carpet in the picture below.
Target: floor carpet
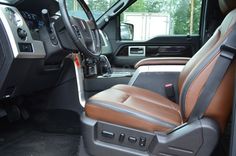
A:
(37, 143)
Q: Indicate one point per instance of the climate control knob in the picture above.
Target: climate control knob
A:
(22, 33)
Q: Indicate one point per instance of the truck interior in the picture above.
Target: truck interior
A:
(117, 78)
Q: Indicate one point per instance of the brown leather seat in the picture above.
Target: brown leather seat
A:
(134, 107)
(141, 109)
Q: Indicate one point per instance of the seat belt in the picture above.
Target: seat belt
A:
(227, 53)
(233, 128)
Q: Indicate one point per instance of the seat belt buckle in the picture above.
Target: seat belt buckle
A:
(228, 51)
(170, 91)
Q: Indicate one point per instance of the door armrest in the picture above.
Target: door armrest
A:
(163, 61)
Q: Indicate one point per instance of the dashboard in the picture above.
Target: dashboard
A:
(20, 52)
(29, 52)
(19, 34)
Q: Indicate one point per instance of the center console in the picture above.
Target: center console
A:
(162, 79)
(99, 75)
(99, 83)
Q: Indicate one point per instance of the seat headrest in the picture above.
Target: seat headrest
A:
(227, 5)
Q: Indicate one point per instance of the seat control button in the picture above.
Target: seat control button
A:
(132, 140)
(107, 134)
(122, 137)
(142, 142)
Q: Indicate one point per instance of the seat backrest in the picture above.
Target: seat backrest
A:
(196, 72)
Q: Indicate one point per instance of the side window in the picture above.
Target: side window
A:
(146, 19)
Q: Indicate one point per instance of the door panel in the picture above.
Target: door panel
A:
(169, 46)
(166, 30)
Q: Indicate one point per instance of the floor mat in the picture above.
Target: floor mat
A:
(42, 144)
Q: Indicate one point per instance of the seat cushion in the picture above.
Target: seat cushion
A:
(135, 108)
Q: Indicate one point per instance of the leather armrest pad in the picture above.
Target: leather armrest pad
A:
(163, 61)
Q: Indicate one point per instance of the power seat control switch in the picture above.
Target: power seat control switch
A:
(107, 134)
(142, 142)
(122, 137)
(132, 140)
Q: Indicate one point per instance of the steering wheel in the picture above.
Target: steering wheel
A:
(85, 34)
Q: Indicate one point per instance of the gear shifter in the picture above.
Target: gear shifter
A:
(105, 66)
(46, 19)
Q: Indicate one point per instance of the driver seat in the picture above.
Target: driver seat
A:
(147, 111)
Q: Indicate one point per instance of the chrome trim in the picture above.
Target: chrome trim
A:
(103, 37)
(79, 79)
(11, 30)
(155, 68)
(137, 54)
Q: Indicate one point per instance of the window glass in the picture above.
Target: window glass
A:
(151, 18)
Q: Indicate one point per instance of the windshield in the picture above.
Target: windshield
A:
(98, 7)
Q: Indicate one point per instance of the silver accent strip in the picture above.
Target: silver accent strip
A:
(155, 68)
(103, 37)
(11, 30)
(79, 79)
(180, 150)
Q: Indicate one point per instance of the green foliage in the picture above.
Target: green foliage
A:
(197, 16)
(138, 6)
(153, 6)
(181, 18)
(98, 5)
